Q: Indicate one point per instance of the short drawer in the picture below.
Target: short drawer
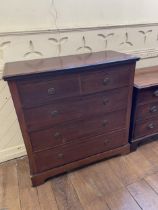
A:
(43, 91)
(146, 127)
(146, 111)
(71, 152)
(78, 129)
(105, 79)
(147, 95)
(48, 115)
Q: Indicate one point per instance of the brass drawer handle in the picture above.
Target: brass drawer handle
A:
(105, 101)
(104, 123)
(151, 126)
(106, 81)
(153, 109)
(60, 155)
(57, 135)
(54, 113)
(106, 142)
(51, 91)
(156, 93)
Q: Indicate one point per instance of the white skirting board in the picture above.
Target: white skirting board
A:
(12, 152)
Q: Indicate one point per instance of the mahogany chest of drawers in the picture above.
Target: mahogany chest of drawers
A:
(72, 110)
(144, 117)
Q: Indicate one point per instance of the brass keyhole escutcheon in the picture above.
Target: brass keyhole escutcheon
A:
(105, 101)
(104, 123)
(156, 93)
(106, 142)
(57, 135)
(151, 126)
(54, 113)
(106, 80)
(51, 91)
(60, 155)
(153, 109)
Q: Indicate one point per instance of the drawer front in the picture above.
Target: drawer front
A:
(71, 152)
(44, 116)
(146, 111)
(148, 95)
(46, 90)
(146, 127)
(110, 78)
(79, 129)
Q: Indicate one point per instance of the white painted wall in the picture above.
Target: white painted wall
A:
(26, 15)
(30, 18)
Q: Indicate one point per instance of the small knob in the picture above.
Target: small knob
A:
(156, 93)
(106, 142)
(151, 126)
(57, 135)
(105, 101)
(60, 155)
(153, 109)
(51, 91)
(54, 113)
(104, 123)
(105, 81)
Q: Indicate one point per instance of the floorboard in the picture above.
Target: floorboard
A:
(46, 197)
(152, 180)
(28, 195)
(144, 195)
(89, 195)
(121, 200)
(9, 189)
(66, 196)
(127, 182)
(150, 151)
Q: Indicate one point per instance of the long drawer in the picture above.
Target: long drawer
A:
(48, 115)
(146, 111)
(71, 152)
(146, 127)
(35, 92)
(74, 131)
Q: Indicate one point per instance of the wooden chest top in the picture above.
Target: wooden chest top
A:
(146, 77)
(71, 63)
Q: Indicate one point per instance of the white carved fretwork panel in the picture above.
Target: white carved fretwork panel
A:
(140, 40)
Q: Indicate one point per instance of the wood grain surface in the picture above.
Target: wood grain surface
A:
(123, 183)
(38, 66)
(146, 77)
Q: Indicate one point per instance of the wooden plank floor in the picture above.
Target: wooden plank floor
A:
(123, 183)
